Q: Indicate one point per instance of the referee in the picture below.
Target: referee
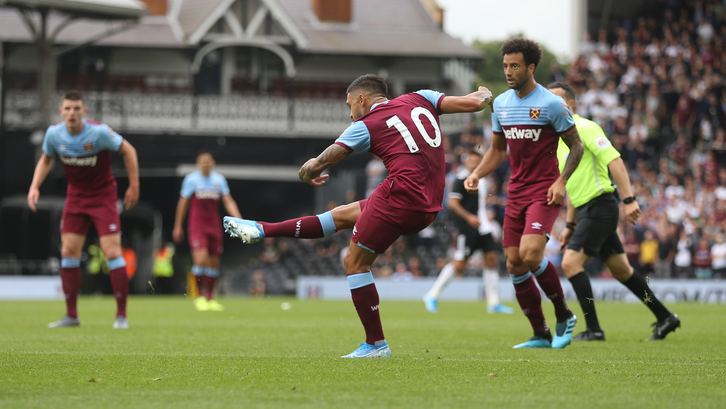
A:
(592, 221)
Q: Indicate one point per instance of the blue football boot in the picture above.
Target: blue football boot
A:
(247, 230)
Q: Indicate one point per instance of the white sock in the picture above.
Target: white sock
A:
(444, 277)
(491, 280)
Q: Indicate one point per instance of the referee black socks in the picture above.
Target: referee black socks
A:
(581, 283)
(637, 284)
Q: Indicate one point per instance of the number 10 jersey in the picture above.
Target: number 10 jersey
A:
(406, 134)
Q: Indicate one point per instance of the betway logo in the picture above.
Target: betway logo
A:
(297, 228)
(514, 133)
(74, 161)
(211, 194)
(374, 308)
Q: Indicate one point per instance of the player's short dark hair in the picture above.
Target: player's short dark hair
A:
(530, 50)
(569, 91)
(369, 84)
(75, 95)
(204, 152)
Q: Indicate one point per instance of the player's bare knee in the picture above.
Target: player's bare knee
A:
(346, 215)
(200, 258)
(531, 258)
(516, 267)
(70, 252)
(353, 265)
(460, 265)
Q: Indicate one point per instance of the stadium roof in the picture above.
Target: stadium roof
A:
(377, 27)
(111, 9)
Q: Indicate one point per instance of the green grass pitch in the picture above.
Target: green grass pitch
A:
(257, 355)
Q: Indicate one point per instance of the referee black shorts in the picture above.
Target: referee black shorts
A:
(596, 231)
(467, 244)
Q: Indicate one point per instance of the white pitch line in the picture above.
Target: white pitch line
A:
(206, 355)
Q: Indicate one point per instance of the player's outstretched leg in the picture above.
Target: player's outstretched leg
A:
(307, 227)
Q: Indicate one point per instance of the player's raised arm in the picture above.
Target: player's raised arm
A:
(45, 164)
(311, 170)
(476, 101)
(132, 169)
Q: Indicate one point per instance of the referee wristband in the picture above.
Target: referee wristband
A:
(629, 200)
(571, 225)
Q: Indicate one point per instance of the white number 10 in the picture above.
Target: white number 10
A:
(416, 118)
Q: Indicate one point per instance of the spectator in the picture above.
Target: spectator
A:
(682, 259)
(702, 260)
(648, 253)
(257, 287)
(718, 257)
(667, 243)
(401, 273)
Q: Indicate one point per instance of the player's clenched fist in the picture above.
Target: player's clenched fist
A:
(486, 96)
(471, 184)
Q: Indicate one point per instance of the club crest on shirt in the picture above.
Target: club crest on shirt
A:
(534, 113)
(88, 146)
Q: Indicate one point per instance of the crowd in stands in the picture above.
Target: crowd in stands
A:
(655, 83)
(656, 86)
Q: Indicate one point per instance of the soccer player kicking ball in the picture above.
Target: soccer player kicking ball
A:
(200, 195)
(475, 233)
(530, 120)
(84, 148)
(405, 133)
(592, 222)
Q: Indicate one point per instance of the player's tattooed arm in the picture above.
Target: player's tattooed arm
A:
(311, 170)
(473, 102)
(573, 141)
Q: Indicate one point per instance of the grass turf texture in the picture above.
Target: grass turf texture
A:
(255, 354)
